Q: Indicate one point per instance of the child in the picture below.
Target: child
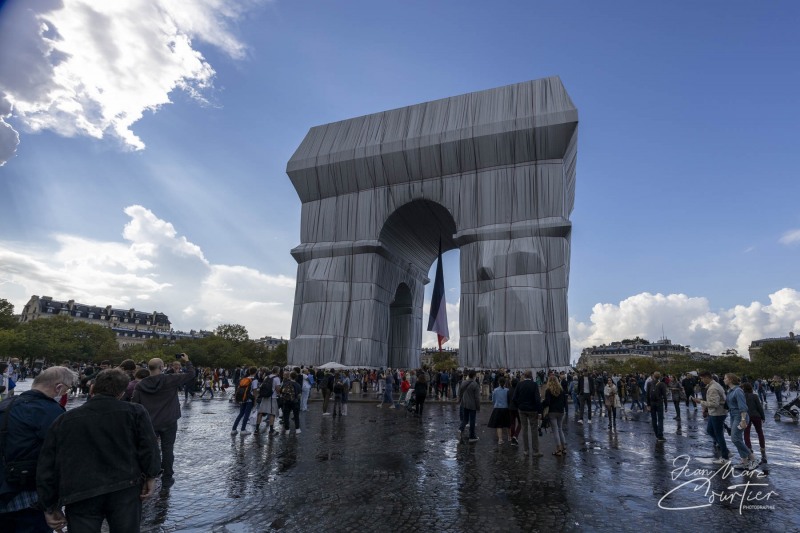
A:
(208, 386)
(500, 418)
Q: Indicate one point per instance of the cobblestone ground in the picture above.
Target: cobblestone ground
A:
(385, 470)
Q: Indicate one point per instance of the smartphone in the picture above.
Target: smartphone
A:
(178, 356)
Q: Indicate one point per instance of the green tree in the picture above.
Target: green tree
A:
(444, 361)
(280, 355)
(7, 318)
(777, 357)
(232, 332)
(60, 338)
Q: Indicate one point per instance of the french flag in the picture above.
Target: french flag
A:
(437, 320)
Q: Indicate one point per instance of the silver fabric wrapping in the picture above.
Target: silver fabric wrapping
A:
(491, 173)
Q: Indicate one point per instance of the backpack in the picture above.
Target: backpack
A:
(338, 387)
(243, 392)
(266, 391)
(288, 393)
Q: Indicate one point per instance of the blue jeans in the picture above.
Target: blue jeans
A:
(468, 415)
(244, 415)
(717, 431)
(737, 437)
(657, 417)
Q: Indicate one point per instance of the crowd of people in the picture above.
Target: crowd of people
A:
(42, 444)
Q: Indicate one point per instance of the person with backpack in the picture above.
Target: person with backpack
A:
(326, 384)
(244, 396)
(657, 404)
(337, 393)
(290, 400)
(268, 400)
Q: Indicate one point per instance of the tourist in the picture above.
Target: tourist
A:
(25, 419)
(675, 390)
(739, 420)
(245, 395)
(290, 401)
(657, 404)
(470, 402)
(388, 397)
(208, 386)
(756, 413)
(346, 382)
(634, 392)
(513, 412)
(158, 394)
(500, 419)
(555, 400)
(611, 401)
(138, 376)
(268, 400)
(405, 386)
(714, 404)
(529, 404)
(421, 393)
(100, 472)
(338, 388)
(305, 391)
(585, 393)
(326, 386)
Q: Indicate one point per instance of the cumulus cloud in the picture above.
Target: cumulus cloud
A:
(688, 320)
(81, 67)
(790, 237)
(152, 268)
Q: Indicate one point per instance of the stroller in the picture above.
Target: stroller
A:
(791, 409)
(411, 402)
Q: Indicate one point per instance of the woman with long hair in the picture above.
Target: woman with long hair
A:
(420, 392)
(555, 399)
(612, 402)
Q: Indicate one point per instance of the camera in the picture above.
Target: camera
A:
(178, 356)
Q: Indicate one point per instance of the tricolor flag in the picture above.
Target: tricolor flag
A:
(437, 320)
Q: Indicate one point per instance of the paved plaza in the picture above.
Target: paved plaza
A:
(385, 470)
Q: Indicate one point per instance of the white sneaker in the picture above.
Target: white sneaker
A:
(286, 432)
(719, 461)
(297, 431)
(326, 414)
(244, 433)
(580, 421)
(590, 420)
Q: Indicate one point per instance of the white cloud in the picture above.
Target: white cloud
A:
(153, 269)
(82, 67)
(790, 237)
(688, 320)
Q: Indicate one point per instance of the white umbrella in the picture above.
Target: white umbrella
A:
(332, 366)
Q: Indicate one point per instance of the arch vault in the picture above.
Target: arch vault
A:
(491, 173)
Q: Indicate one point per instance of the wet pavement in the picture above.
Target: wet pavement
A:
(385, 470)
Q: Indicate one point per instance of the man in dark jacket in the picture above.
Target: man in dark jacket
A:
(99, 471)
(529, 403)
(586, 388)
(158, 393)
(25, 425)
(657, 404)
(469, 398)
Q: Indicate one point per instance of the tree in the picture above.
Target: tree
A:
(444, 361)
(7, 318)
(776, 357)
(232, 332)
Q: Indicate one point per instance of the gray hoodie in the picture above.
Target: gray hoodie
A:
(159, 395)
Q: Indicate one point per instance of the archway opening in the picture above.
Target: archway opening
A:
(401, 325)
(412, 235)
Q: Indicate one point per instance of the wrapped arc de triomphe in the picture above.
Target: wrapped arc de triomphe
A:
(491, 173)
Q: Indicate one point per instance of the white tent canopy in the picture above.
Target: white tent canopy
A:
(332, 366)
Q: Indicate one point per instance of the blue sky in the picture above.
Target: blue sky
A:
(686, 207)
